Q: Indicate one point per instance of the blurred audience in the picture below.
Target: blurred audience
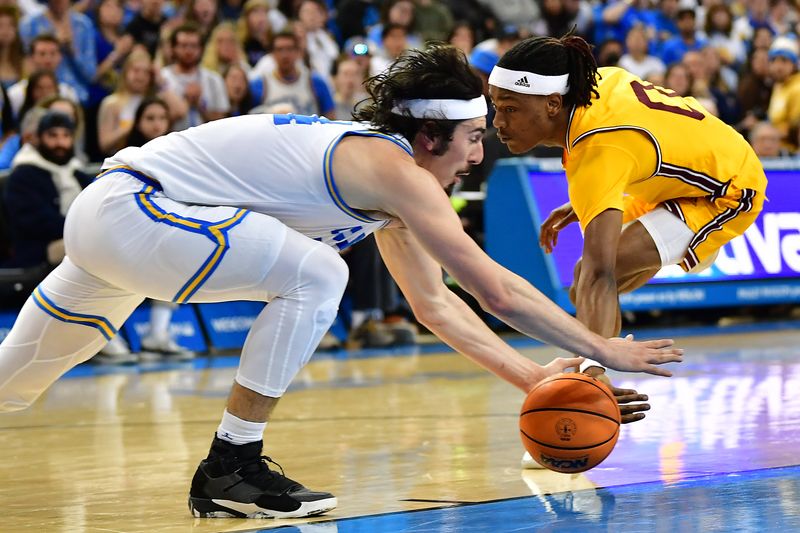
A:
(766, 140)
(44, 180)
(754, 90)
(254, 30)
(114, 73)
(116, 115)
(462, 36)
(637, 60)
(348, 88)
(321, 48)
(202, 89)
(145, 26)
(784, 103)
(285, 84)
(12, 54)
(688, 38)
(224, 49)
(74, 36)
(238, 89)
(45, 56)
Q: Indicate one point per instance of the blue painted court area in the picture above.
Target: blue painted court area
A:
(518, 342)
(719, 452)
(754, 501)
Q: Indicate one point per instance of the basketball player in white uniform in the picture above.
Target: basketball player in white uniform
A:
(257, 208)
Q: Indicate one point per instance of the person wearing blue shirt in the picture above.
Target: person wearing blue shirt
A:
(661, 24)
(613, 20)
(76, 34)
(688, 40)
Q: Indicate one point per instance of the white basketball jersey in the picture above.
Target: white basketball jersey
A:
(279, 165)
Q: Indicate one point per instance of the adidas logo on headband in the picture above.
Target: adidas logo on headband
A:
(526, 82)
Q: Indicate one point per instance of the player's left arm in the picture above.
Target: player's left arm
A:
(598, 173)
(596, 298)
(599, 170)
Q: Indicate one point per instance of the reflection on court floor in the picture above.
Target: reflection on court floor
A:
(748, 501)
(422, 442)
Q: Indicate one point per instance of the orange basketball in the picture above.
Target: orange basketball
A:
(569, 422)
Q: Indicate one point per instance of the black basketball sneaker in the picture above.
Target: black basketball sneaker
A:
(235, 481)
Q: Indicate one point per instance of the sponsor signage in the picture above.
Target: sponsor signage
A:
(769, 249)
(228, 323)
(760, 267)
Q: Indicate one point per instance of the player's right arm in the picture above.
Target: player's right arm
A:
(449, 318)
(413, 195)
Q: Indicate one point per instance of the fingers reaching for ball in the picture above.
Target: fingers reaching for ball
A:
(631, 356)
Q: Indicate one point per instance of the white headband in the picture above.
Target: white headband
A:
(438, 109)
(523, 82)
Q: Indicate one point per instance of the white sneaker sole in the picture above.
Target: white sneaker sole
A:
(251, 510)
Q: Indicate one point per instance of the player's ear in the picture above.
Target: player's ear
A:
(429, 135)
(553, 104)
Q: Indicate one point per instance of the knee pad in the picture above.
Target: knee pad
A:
(326, 273)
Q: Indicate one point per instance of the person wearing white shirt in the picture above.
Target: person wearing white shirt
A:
(637, 61)
(203, 89)
(322, 49)
(45, 55)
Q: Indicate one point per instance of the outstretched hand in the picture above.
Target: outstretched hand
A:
(558, 219)
(534, 373)
(627, 355)
(560, 365)
(631, 412)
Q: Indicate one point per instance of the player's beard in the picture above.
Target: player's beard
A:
(58, 156)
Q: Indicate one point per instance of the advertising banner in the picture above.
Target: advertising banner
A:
(770, 249)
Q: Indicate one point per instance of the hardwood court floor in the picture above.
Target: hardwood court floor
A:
(115, 451)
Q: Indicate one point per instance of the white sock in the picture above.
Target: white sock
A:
(359, 317)
(160, 315)
(589, 362)
(237, 431)
(356, 319)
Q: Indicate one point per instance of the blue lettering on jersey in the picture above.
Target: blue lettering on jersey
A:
(291, 118)
(346, 237)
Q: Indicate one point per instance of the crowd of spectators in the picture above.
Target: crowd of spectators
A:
(208, 59)
(118, 72)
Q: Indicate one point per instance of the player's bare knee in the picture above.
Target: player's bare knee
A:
(576, 274)
(573, 293)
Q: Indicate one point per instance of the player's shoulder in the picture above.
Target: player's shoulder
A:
(612, 79)
(380, 158)
(377, 146)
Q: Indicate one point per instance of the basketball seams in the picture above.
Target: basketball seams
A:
(544, 444)
(592, 383)
(554, 413)
(569, 409)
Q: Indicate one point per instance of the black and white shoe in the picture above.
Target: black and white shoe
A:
(235, 481)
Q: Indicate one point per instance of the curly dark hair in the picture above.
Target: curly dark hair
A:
(439, 71)
(551, 56)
